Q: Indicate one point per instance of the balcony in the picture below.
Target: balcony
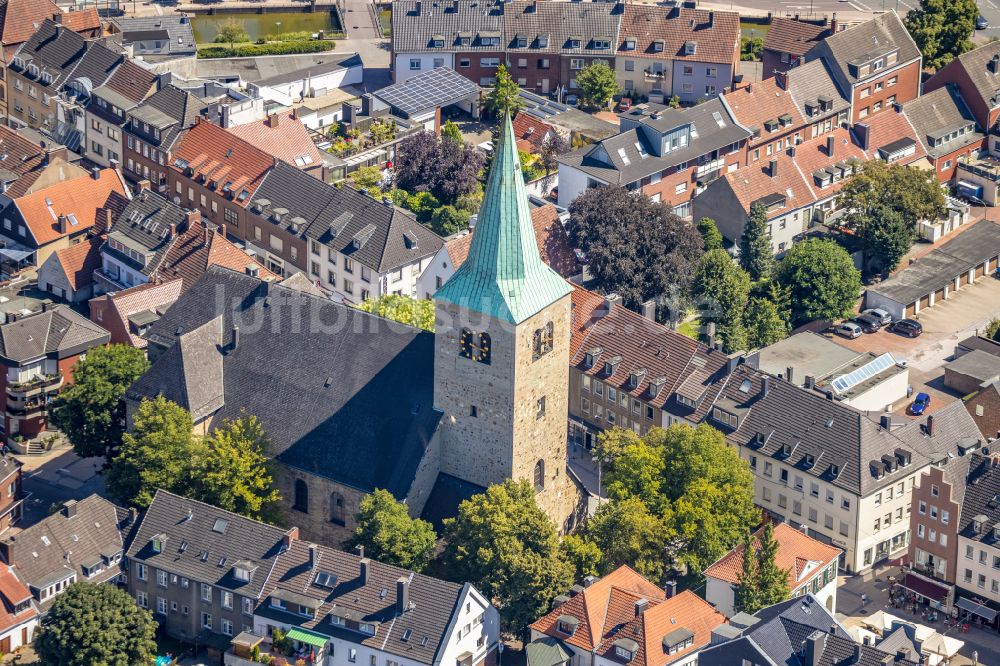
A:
(21, 390)
(28, 408)
(983, 166)
(653, 75)
(107, 282)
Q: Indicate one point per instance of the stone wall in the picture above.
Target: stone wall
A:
(315, 524)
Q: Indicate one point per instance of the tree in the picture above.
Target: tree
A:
(992, 331)
(597, 83)
(506, 546)
(390, 535)
(448, 220)
(504, 99)
(748, 593)
(232, 30)
(96, 624)
(710, 233)
(723, 288)
(887, 238)
(417, 165)
(627, 532)
(552, 147)
(367, 179)
(418, 312)
(637, 472)
(762, 583)
(446, 169)
(233, 472)
(635, 247)
(90, 411)
(581, 554)
(756, 255)
(158, 453)
(821, 280)
(450, 132)
(764, 323)
(942, 29)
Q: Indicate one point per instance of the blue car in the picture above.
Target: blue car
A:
(920, 404)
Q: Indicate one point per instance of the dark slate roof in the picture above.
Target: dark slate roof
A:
(562, 21)
(781, 633)
(448, 492)
(789, 35)
(58, 332)
(342, 393)
(812, 80)
(145, 225)
(54, 49)
(418, 633)
(939, 267)
(177, 29)
(59, 545)
(938, 113)
(197, 538)
(982, 500)
(169, 109)
(94, 68)
(833, 434)
(975, 64)
(336, 216)
(415, 22)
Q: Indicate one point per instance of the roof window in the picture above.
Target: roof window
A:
(220, 526)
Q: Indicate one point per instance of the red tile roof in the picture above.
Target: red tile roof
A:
(796, 552)
(83, 21)
(754, 182)
(530, 132)
(19, 18)
(600, 608)
(195, 249)
(786, 35)
(112, 311)
(755, 104)
(811, 156)
(717, 42)
(223, 158)
(888, 126)
(284, 136)
(80, 261)
(80, 197)
(13, 592)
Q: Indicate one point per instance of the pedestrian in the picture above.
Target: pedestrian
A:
(864, 599)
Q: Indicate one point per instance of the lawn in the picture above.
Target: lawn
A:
(753, 29)
(691, 328)
(385, 17)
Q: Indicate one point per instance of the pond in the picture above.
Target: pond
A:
(206, 26)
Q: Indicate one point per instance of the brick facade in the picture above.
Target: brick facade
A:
(896, 86)
(940, 516)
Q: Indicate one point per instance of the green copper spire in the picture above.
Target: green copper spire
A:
(504, 275)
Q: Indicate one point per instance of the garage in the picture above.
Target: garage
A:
(973, 251)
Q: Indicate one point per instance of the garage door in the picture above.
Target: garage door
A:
(925, 302)
(939, 295)
(980, 271)
(910, 310)
(964, 280)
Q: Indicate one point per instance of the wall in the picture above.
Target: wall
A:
(980, 564)
(293, 91)
(106, 135)
(538, 71)
(946, 166)
(882, 395)
(641, 83)
(944, 547)
(691, 87)
(907, 87)
(315, 524)
(439, 268)
(880, 504)
(572, 183)
(402, 72)
(52, 279)
(154, 166)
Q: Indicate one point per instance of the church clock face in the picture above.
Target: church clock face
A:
(475, 346)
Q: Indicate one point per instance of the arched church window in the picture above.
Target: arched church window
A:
(337, 514)
(484, 349)
(301, 496)
(539, 475)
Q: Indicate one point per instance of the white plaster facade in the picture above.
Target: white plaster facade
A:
(815, 579)
(288, 93)
(352, 282)
(410, 64)
(979, 567)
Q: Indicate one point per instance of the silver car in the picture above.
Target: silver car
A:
(882, 315)
(849, 330)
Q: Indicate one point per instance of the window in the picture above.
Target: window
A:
(247, 606)
(540, 407)
(629, 65)
(352, 655)
(301, 496)
(142, 599)
(969, 552)
(161, 578)
(920, 530)
(231, 217)
(348, 286)
(576, 63)
(934, 490)
(227, 599)
(709, 90)
(206, 621)
(539, 475)
(414, 64)
(227, 627)
(206, 592)
(922, 508)
(543, 341)
(944, 517)
(464, 62)
(140, 571)
(337, 513)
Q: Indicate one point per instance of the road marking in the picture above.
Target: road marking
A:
(859, 7)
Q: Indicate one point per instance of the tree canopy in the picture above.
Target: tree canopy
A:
(90, 624)
(821, 280)
(942, 29)
(710, 233)
(756, 254)
(446, 169)
(635, 247)
(762, 583)
(502, 542)
(722, 289)
(90, 411)
(417, 312)
(764, 323)
(627, 532)
(504, 97)
(390, 535)
(553, 146)
(450, 132)
(598, 84)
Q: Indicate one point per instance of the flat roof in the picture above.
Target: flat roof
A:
(976, 364)
(436, 88)
(807, 354)
(941, 266)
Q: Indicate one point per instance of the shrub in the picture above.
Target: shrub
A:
(277, 48)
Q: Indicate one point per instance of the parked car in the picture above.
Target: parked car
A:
(625, 104)
(908, 327)
(920, 404)
(880, 314)
(571, 100)
(848, 329)
(868, 323)
(982, 23)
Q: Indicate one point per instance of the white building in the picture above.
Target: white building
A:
(978, 554)
(289, 88)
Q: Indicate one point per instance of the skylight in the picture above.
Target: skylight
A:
(718, 119)
(621, 154)
(642, 149)
(221, 525)
(325, 579)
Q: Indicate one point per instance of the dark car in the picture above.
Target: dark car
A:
(868, 323)
(908, 327)
(920, 404)
(982, 23)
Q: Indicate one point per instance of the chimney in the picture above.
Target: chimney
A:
(833, 628)
(994, 64)
(95, 173)
(273, 120)
(611, 300)
(293, 114)
(402, 594)
(930, 425)
(143, 185)
(886, 421)
(63, 226)
(649, 309)
(765, 386)
(288, 537)
(133, 515)
(108, 219)
(812, 648)
(236, 337)
(834, 24)
(810, 382)
(902, 654)
(363, 566)
(670, 589)
(57, 18)
(640, 606)
(863, 132)
(114, 164)
(804, 529)
(790, 374)
(69, 508)
(312, 556)
(711, 19)
(772, 168)
(830, 141)
(781, 78)
(253, 270)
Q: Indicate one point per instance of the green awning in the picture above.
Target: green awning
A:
(307, 637)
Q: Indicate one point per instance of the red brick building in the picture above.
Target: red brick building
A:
(153, 129)
(789, 39)
(946, 127)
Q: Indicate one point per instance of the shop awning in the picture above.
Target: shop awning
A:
(981, 610)
(924, 587)
(307, 637)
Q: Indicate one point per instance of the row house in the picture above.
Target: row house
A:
(978, 545)
(789, 39)
(623, 618)
(667, 154)
(11, 492)
(27, 166)
(945, 126)
(876, 64)
(152, 131)
(689, 53)
(22, 18)
(107, 108)
(18, 615)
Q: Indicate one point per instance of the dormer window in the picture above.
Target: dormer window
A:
(437, 42)
(630, 44)
(678, 640)
(611, 365)
(567, 624)
(635, 378)
(658, 46)
(156, 543)
(543, 41)
(367, 628)
(625, 649)
(590, 356)
(574, 42)
(602, 44)
(808, 460)
(656, 385)
(690, 48)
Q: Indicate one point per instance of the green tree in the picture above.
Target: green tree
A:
(160, 452)
(504, 99)
(756, 255)
(942, 29)
(598, 84)
(367, 179)
(583, 555)
(637, 472)
(423, 204)
(231, 31)
(773, 579)
(90, 411)
(448, 220)
(418, 312)
(751, 48)
(503, 543)
(390, 535)
(91, 625)
(233, 472)
(887, 239)
(764, 323)
(992, 331)
(710, 232)
(821, 280)
(611, 443)
(552, 147)
(627, 532)
(723, 288)
(450, 132)
(748, 593)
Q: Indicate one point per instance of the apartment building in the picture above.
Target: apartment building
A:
(152, 131)
(11, 496)
(666, 51)
(935, 519)
(18, 616)
(37, 72)
(107, 109)
(876, 64)
(978, 554)
(976, 75)
(947, 129)
(27, 166)
(667, 154)
(789, 39)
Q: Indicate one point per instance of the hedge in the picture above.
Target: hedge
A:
(275, 48)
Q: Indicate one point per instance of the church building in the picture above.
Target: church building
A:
(352, 402)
